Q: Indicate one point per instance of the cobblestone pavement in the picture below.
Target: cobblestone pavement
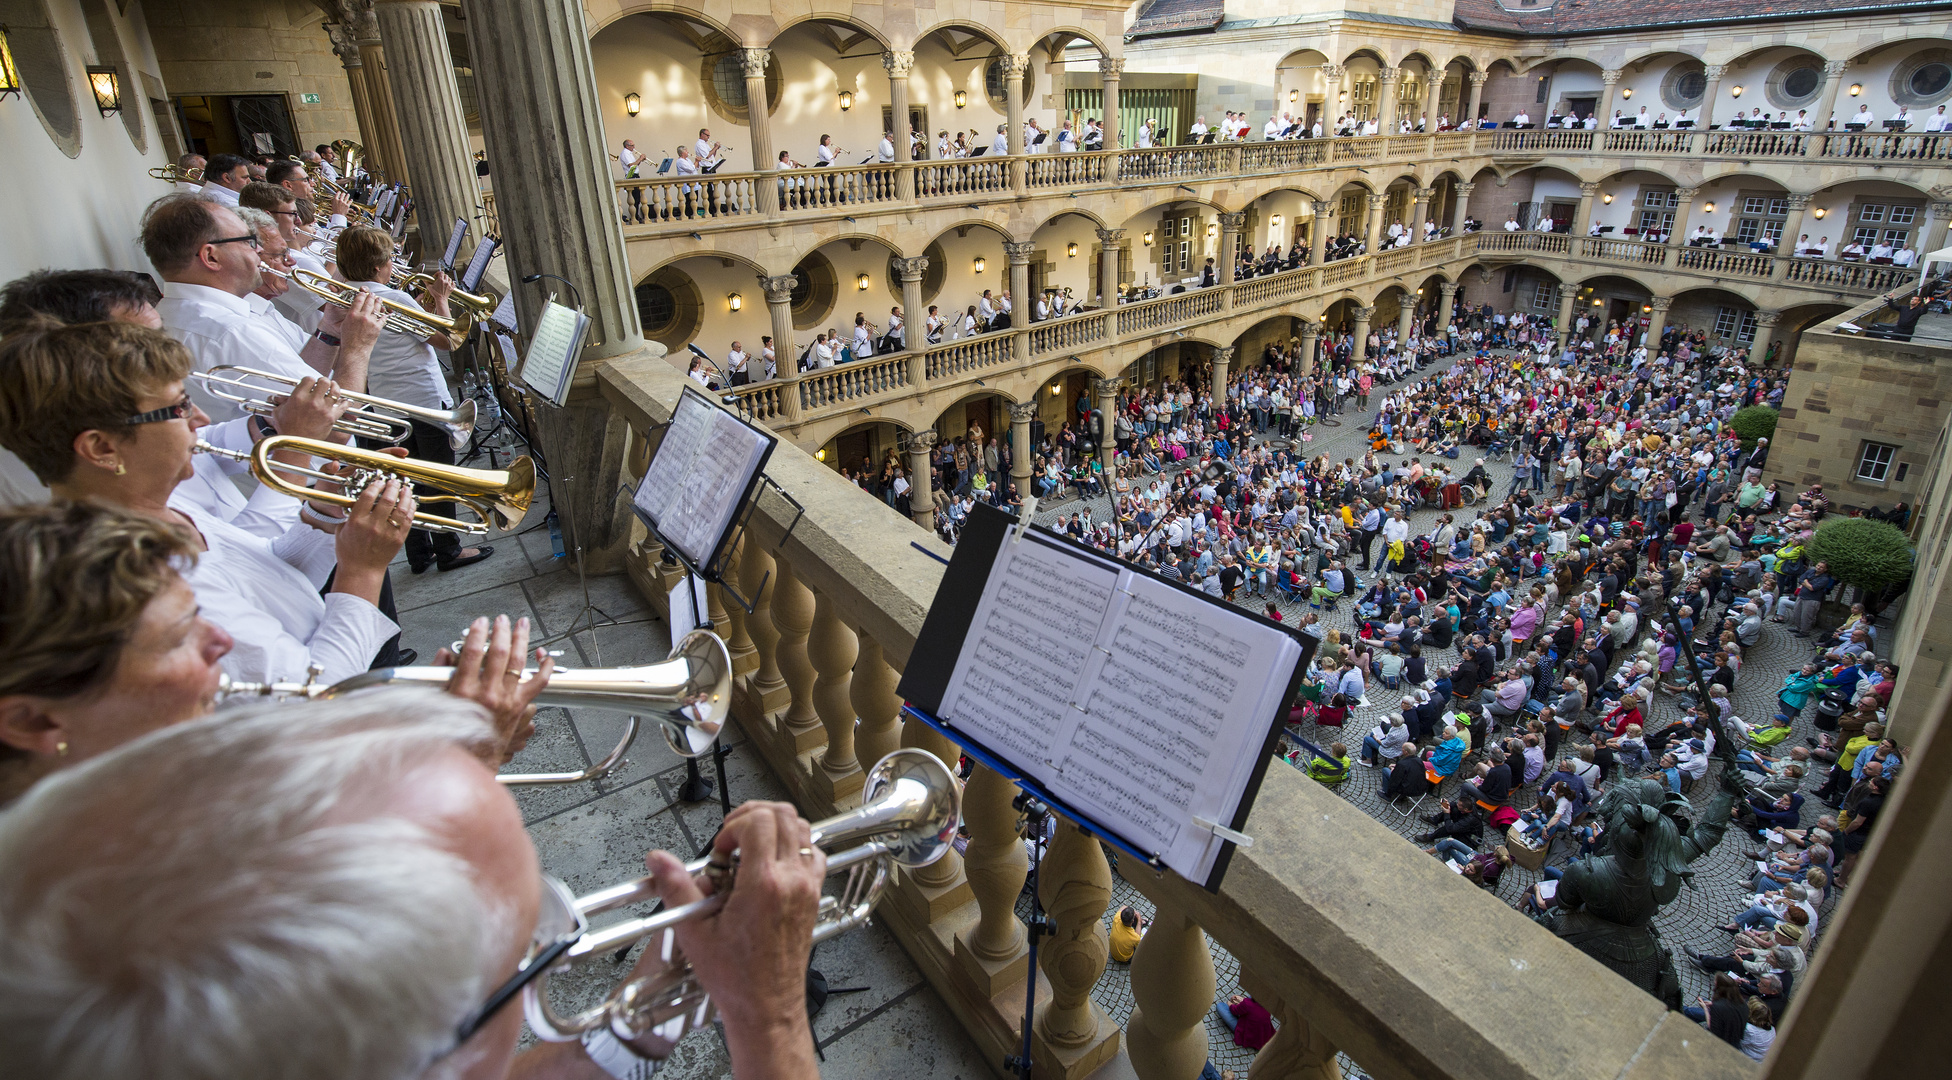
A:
(1721, 878)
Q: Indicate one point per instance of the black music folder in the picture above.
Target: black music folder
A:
(1144, 710)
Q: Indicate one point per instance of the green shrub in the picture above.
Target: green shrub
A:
(1752, 423)
(1868, 554)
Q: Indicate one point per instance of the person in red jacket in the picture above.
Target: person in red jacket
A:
(1250, 1023)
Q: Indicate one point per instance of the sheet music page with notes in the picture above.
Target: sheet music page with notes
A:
(1137, 703)
(699, 477)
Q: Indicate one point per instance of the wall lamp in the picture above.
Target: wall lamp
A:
(734, 301)
(1607, 198)
(962, 98)
(1646, 309)
(862, 283)
(9, 71)
(846, 100)
(108, 89)
(1294, 96)
(820, 454)
(1056, 389)
(1213, 228)
(1275, 221)
(1735, 91)
(1856, 89)
(633, 104)
(1071, 250)
(1148, 238)
(980, 263)
(1627, 93)
(1819, 212)
(1709, 207)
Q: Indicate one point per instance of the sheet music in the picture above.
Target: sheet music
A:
(699, 478)
(1135, 703)
(484, 253)
(553, 349)
(454, 237)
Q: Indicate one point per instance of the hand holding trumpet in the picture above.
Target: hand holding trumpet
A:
(488, 672)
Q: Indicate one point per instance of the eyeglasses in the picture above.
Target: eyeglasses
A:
(156, 416)
(558, 926)
(256, 244)
(283, 213)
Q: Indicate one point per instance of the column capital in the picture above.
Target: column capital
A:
(1111, 67)
(1587, 191)
(1234, 222)
(1611, 77)
(364, 24)
(898, 62)
(1686, 194)
(1942, 210)
(1019, 251)
(911, 269)
(1478, 77)
(1798, 201)
(1767, 318)
(1423, 194)
(754, 61)
(345, 45)
(1364, 314)
(1108, 387)
(1310, 328)
(1015, 65)
(1376, 201)
(919, 442)
(1321, 209)
(779, 290)
(1023, 412)
(1109, 237)
(1223, 354)
(1713, 72)
(1332, 71)
(1388, 74)
(1448, 288)
(1466, 187)
(1661, 303)
(1835, 67)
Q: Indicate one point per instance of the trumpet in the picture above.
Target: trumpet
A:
(177, 174)
(908, 814)
(689, 694)
(479, 305)
(370, 423)
(400, 318)
(500, 496)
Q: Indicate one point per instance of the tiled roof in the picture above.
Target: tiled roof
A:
(1589, 16)
(1177, 17)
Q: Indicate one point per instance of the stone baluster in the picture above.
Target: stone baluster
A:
(876, 703)
(1172, 990)
(942, 881)
(757, 577)
(1073, 1036)
(833, 648)
(793, 616)
(992, 952)
(738, 638)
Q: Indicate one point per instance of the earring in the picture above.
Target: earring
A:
(121, 469)
(61, 748)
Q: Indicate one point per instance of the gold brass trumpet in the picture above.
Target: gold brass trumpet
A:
(688, 693)
(400, 318)
(907, 817)
(479, 305)
(234, 383)
(177, 174)
(500, 496)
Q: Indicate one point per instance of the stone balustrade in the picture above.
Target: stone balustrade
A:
(1357, 941)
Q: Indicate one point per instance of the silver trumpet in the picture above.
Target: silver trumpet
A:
(234, 383)
(689, 694)
(909, 809)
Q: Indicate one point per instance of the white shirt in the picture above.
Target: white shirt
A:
(188, 188)
(273, 317)
(218, 193)
(1904, 257)
(628, 159)
(702, 151)
(221, 329)
(303, 306)
(267, 513)
(735, 360)
(825, 153)
(1935, 122)
(1001, 144)
(268, 600)
(886, 152)
(404, 368)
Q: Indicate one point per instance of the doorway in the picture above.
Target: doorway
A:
(246, 124)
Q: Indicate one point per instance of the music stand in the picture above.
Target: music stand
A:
(454, 238)
(1896, 125)
(664, 166)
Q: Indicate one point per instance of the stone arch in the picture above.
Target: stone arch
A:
(1078, 33)
(667, 7)
(831, 19)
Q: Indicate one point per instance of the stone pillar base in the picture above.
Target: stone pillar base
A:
(924, 904)
(1073, 1062)
(836, 787)
(989, 977)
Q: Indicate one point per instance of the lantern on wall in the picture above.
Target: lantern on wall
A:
(107, 87)
(962, 98)
(9, 71)
(734, 301)
(633, 104)
(846, 100)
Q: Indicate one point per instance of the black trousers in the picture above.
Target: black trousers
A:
(428, 443)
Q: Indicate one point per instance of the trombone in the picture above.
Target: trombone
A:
(689, 694)
(177, 174)
(400, 318)
(479, 305)
(369, 423)
(500, 497)
(909, 808)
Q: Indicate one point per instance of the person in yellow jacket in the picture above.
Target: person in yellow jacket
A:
(1127, 928)
(1330, 770)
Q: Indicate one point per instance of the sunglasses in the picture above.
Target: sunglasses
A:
(156, 416)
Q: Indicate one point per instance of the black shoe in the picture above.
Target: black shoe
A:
(419, 566)
(405, 657)
(458, 562)
(1427, 838)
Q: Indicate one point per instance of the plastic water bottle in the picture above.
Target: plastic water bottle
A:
(556, 535)
(468, 387)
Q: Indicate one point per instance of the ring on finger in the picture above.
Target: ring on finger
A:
(806, 853)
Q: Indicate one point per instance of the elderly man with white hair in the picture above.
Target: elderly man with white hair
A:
(341, 889)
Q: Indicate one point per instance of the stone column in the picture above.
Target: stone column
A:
(1317, 234)
(1363, 315)
(921, 479)
(779, 305)
(898, 64)
(1073, 1036)
(1223, 358)
(914, 315)
(1172, 991)
(759, 127)
(1448, 304)
(1765, 332)
(1713, 73)
(1387, 80)
(1463, 208)
(1684, 205)
(800, 728)
(1024, 309)
(1113, 241)
(1332, 87)
(1833, 79)
(1582, 219)
(1611, 82)
(833, 648)
(1562, 332)
(433, 129)
(1433, 99)
(1657, 321)
(558, 211)
(1015, 66)
(346, 46)
(1110, 68)
(1231, 226)
(1375, 232)
(1310, 332)
(1477, 94)
(1406, 313)
(1421, 207)
(1021, 414)
(1935, 229)
(1107, 445)
(1799, 206)
(384, 156)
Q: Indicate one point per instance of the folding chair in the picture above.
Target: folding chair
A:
(1435, 781)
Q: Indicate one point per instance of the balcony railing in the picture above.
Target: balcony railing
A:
(815, 395)
(1333, 915)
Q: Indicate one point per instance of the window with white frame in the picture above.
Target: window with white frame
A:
(1874, 462)
(1867, 235)
(1542, 295)
(1735, 323)
(1871, 212)
(1903, 215)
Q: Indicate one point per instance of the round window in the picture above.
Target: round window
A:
(1684, 86)
(657, 309)
(1931, 80)
(1802, 82)
(1923, 79)
(729, 80)
(724, 77)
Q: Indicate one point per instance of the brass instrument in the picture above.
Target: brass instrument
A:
(370, 423)
(479, 305)
(400, 318)
(500, 496)
(688, 693)
(907, 817)
(177, 174)
(351, 154)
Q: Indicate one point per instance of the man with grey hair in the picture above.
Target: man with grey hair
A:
(341, 889)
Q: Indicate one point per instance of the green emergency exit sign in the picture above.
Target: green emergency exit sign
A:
(309, 99)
